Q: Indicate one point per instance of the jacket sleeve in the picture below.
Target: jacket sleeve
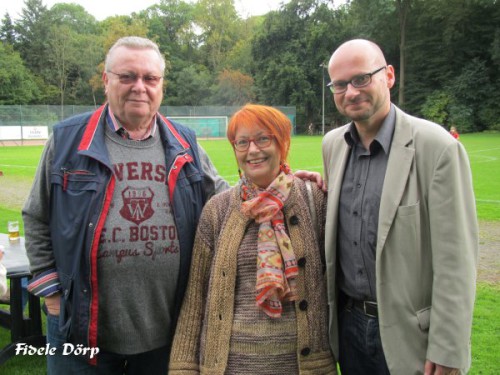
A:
(213, 183)
(185, 354)
(454, 243)
(36, 229)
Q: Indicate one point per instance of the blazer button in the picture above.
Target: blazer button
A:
(303, 305)
(305, 351)
(294, 220)
(301, 262)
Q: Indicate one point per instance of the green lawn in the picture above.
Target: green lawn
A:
(18, 165)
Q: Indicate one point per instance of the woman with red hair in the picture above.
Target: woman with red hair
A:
(256, 299)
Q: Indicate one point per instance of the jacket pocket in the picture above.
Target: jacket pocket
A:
(424, 318)
(71, 191)
(78, 180)
(408, 210)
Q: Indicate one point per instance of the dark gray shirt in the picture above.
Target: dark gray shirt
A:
(359, 208)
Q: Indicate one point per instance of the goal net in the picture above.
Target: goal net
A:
(204, 126)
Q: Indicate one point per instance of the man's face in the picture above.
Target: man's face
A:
(134, 103)
(368, 104)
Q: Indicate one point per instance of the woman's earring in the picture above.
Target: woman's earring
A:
(284, 167)
(239, 172)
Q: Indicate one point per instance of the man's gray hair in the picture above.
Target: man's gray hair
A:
(134, 42)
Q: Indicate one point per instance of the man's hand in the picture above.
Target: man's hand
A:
(53, 304)
(312, 176)
(432, 368)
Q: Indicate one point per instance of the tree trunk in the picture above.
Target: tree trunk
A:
(403, 7)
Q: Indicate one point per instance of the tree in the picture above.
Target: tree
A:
(17, 84)
(190, 86)
(112, 29)
(288, 52)
(171, 23)
(7, 32)
(403, 7)
(218, 21)
(451, 44)
(63, 57)
(33, 35)
(73, 16)
(233, 88)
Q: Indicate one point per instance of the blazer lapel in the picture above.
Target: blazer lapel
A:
(396, 177)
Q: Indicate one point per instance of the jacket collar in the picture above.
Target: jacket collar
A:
(93, 140)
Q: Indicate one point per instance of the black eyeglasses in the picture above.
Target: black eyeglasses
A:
(362, 80)
(128, 78)
(262, 141)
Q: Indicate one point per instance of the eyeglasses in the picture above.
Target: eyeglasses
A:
(362, 80)
(262, 141)
(128, 78)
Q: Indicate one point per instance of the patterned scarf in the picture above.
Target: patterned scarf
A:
(276, 263)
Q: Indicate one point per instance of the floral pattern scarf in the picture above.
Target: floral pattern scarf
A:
(276, 263)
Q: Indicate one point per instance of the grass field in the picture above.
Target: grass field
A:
(18, 166)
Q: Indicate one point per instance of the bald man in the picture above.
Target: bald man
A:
(402, 235)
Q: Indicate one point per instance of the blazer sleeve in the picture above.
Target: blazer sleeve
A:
(454, 243)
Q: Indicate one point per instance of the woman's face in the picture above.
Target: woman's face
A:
(259, 164)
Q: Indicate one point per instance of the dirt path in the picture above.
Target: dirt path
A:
(488, 269)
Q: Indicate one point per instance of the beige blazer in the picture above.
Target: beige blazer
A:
(426, 250)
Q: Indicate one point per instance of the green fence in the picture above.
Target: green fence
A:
(206, 121)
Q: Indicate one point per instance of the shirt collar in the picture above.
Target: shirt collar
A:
(119, 129)
(384, 135)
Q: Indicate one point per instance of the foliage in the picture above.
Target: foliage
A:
(289, 52)
(17, 84)
(444, 50)
(32, 35)
(7, 31)
(436, 107)
(191, 86)
(218, 22)
(233, 88)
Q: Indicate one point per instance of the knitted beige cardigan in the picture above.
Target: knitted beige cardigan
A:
(202, 338)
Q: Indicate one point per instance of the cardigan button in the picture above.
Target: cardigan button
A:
(294, 220)
(305, 351)
(301, 262)
(303, 305)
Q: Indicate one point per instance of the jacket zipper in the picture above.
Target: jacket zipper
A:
(67, 172)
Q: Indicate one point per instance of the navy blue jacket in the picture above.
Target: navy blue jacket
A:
(81, 189)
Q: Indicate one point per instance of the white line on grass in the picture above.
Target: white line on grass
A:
(488, 149)
(17, 166)
(487, 201)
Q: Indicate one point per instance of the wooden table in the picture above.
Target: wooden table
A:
(22, 329)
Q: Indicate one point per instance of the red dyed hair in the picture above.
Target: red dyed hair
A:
(269, 118)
